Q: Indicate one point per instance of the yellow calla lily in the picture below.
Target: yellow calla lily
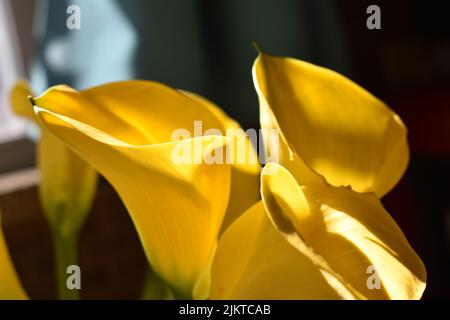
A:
(68, 183)
(66, 190)
(315, 241)
(254, 261)
(125, 131)
(10, 286)
(19, 100)
(330, 126)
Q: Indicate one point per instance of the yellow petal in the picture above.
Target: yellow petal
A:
(245, 171)
(153, 112)
(139, 112)
(20, 102)
(68, 184)
(10, 286)
(351, 231)
(254, 261)
(337, 128)
(177, 208)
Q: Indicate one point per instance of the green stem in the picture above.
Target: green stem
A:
(66, 254)
(154, 288)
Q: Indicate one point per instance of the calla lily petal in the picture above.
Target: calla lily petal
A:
(254, 261)
(177, 208)
(68, 183)
(10, 286)
(153, 112)
(19, 100)
(244, 191)
(136, 111)
(335, 127)
(351, 231)
(67, 189)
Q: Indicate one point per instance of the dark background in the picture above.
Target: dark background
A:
(205, 47)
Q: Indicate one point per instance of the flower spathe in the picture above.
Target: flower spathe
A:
(330, 125)
(66, 190)
(124, 131)
(310, 237)
(67, 185)
(314, 242)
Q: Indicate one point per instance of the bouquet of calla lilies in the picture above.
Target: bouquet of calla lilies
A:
(307, 225)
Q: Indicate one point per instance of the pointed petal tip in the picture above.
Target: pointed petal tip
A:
(31, 99)
(256, 47)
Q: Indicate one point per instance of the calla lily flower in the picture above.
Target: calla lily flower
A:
(68, 183)
(330, 127)
(310, 237)
(319, 232)
(124, 130)
(10, 286)
(314, 242)
(66, 190)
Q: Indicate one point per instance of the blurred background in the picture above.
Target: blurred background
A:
(205, 47)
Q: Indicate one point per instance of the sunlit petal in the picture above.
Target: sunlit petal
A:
(351, 231)
(338, 129)
(177, 208)
(254, 261)
(145, 112)
(245, 167)
(19, 100)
